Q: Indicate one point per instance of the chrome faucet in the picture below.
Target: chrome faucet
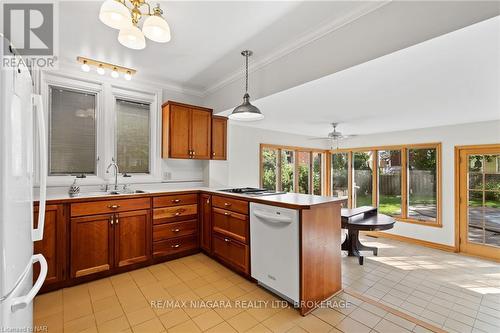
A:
(113, 164)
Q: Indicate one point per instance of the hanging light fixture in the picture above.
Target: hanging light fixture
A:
(125, 16)
(246, 111)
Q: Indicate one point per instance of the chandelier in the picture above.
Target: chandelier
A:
(125, 16)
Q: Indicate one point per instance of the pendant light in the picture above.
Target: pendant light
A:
(246, 111)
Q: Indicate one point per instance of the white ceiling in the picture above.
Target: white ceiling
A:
(207, 37)
(451, 79)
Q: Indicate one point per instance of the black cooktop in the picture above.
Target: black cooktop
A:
(244, 190)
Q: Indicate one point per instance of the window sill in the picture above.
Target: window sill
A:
(435, 224)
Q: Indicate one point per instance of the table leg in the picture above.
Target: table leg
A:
(351, 245)
(362, 247)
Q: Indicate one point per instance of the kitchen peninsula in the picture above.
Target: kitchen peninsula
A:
(93, 236)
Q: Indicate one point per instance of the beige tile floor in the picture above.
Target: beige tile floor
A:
(455, 292)
(122, 303)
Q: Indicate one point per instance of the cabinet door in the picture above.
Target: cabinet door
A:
(91, 244)
(133, 236)
(53, 244)
(201, 134)
(232, 252)
(179, 128)
(230, 224)
(205, 222)
(219, 138)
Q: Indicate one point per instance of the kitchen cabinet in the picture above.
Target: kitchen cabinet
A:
(114, 234)
(187, 131)
(175, 225)
(219, 138)
(53, 244)
(232, 252)
(132, 237)
(205, 222)
(230, 230)
(91, 244)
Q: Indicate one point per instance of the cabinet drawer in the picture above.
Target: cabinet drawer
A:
(171, 214)
(109, 206)
(230, 224)
(171, 246)
(235, 205)
(172, 230)
(175, 200)
(232, 252)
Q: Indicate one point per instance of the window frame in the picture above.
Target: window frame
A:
(121, 94)
(49, 129)
(404, 178)
(106, 89)
(296, 150)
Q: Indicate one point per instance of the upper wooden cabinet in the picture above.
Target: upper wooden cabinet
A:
(219, 138)
(187, 131)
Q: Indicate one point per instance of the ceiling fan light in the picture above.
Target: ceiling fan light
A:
(156, 29)
(115, 14)
(85, 66)
(128, 76)
(246, 111)
(132, 37)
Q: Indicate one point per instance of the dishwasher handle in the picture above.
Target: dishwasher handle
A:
(272, 218)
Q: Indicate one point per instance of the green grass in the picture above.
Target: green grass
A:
(488, 203)
(390, 204)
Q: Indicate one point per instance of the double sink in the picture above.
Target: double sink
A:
(108, 193)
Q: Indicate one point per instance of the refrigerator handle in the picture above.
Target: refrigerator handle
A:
(37, 234)
(21, 302)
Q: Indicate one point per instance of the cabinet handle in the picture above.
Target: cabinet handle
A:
(208, 201)
(227, 240)
(116, 219)
(177, 214)
(111, 220)
(227, 214)
(227, 204)
(213, 154)
(176, 230)
(114, 206)
(176, 246)
(176, 201)
(193, 153)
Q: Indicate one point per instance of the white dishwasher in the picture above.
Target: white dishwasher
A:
(274, 249)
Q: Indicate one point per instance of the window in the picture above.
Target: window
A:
(287, 170)
(72, 132)
(363, 179)
(132, 136)
(269, 177)
(304, 171)
(389, 182)
(422, 184)
(404, 181)
(340, 174)
(292, 169)
(317, 173)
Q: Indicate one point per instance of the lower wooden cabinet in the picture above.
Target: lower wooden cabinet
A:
(100, 243)
(53, 246)
(232, 252)
(205, 222)
(132, 237)
(92, 243)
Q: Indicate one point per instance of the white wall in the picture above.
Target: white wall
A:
(242, 166)
(449, 136)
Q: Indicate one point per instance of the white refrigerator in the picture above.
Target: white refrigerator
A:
(21, 112)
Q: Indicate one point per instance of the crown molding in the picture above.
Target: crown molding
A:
(324, 29)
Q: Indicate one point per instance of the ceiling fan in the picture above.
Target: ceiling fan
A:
(334, 136)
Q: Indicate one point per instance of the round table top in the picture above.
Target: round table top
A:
(372, 223)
